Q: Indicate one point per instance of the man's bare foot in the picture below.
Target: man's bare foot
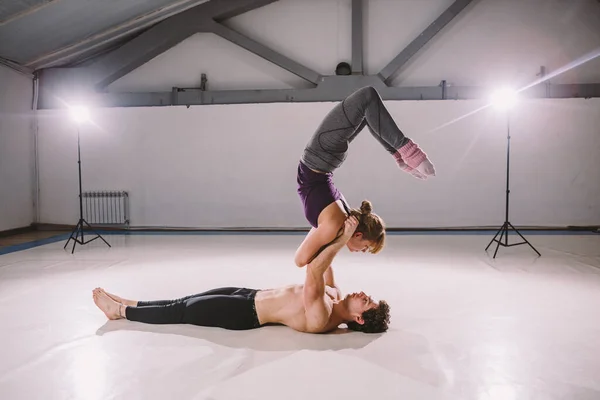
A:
(131, 303)
(108, 306)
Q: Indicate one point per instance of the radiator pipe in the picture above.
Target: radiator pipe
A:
(34, 128)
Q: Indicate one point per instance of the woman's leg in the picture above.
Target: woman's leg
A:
(397, 156)
(328, 147)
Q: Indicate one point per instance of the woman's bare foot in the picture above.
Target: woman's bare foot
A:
(130, 303)
(108, 306)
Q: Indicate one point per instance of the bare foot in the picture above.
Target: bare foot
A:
(108, 306)
(131, 303)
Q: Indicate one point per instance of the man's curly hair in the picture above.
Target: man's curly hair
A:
(376, 319)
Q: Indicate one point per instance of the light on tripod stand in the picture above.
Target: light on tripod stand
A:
(505, 99)
(80, 115)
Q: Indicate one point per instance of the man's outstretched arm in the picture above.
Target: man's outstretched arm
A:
(314, 284)
(330, 281)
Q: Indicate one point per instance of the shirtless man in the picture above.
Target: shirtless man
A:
(315, 307)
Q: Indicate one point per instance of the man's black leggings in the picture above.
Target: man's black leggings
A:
(229, 308)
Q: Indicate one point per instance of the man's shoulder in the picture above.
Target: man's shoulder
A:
(318, 314)
(332, 324)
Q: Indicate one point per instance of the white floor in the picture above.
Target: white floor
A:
(464, 326)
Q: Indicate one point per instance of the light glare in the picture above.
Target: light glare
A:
(79, 114)
(504, 98)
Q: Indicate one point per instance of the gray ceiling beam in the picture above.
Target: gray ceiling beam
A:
(331, 88)
(221, 10)
(26, 12)
(17, 67)
(92, 45)
(198, 97)
(566, 91)
(138, 51)
(417, 44)
(357, 37)
(265, 52)
(163, 36)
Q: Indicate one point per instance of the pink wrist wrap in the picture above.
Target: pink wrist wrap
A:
(411, 154)
(401, 162)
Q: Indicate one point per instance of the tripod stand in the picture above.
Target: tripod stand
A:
(504, 228)
(79, 227)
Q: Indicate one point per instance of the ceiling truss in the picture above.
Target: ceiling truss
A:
(207, 17)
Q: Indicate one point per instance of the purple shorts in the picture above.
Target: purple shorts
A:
(316, 191)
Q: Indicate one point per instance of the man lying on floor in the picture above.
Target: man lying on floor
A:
(315, 307)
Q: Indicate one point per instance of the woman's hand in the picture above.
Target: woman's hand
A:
(350, 226)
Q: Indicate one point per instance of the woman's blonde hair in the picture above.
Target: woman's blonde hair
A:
(370, 225)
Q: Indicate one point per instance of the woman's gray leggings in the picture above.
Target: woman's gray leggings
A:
(328, 147)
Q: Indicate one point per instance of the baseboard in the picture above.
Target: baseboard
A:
(62, 227)
(52, 227)
(17, 231)
(69, 228)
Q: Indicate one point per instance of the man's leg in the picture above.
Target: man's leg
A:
(327, 148)
(232, 310)
(221, 291)
(136, 303)
(111, 308)
(118, 299)
(235, 311)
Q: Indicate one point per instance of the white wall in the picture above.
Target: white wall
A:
(16, 150)
(491, 42)
(235, 166)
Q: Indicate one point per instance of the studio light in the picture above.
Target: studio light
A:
(80, 115)
(505, 99)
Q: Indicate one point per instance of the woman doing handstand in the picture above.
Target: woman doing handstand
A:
(324, 205)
